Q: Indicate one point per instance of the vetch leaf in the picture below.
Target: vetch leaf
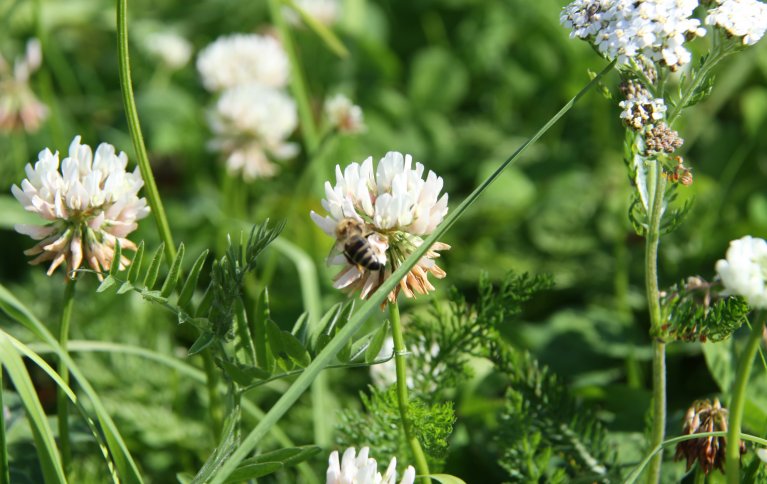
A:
(125, 287)
(108, 282)
(376, 343)
(252, 471)
(288, 456)
(191, 281)
(175, 269)
(447, 479)
(244, 375)
(202, 342)
(154, 267)
(115, 266)
(135, 265)
(295, 350)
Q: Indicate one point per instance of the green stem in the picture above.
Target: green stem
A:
(656, 189)
(5, 476)
(700, 76)
(738, 402)
(62, 401)
(422, 467)
(129, 102)
(215, 407)
(297, 83)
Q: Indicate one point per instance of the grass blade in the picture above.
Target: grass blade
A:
(48, 453)
(123, 460)
(5, 471)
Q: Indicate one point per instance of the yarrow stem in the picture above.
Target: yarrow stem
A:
(657, 185)
(732, 451)
(62, 401)
(152, 194)
(402, 398)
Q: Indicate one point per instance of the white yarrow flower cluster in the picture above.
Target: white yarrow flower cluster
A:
(251, 124)
(397, 209)
(19, 107)
(362, 469)
(744, 271)
(344, 115)
(642, 110)
(171, 49)
(325, 12)
(627, 29)
(91, 203)
(740, 18)
(239, 59)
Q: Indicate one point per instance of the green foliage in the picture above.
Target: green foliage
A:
(541, 421)
(378, 426)
(694, 310)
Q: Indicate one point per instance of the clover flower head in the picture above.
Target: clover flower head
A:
(19, 107)
(744, 271)
(250, 124)
(394, 208)
(325, 12)
(344, 115)
(628, 30)
(239, 59)
(362, 469)
(740, 18)
(704, 416)
(171, 49)
(90, 203)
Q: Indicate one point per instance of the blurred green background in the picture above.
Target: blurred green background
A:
(457, 83)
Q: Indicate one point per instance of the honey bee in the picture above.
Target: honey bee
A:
(357, 249)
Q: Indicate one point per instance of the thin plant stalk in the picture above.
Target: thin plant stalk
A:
(5, 473)
(657, 187)
(297, 83)
(62, 400)
(215, 405)
(738, 402)
(134, 127)
(400, 352)
(324, 358)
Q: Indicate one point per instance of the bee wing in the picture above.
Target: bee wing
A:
(335, 256)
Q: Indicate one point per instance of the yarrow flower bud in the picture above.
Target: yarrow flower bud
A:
(171, 49)
(343, 115)
(19, 107)
(250, 124)
(90, 205)
(379, 217)
(627, 30)
(640, 109)
(240, 59)
(703, 416)
(740, 18)
(362, 469)
(662, 139)
(744, 271)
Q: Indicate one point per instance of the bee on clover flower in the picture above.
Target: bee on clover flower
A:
(379, 216)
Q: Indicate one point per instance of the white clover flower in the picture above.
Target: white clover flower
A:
(239, 59)
(744, 271)
(19, 107)
(385, 374)
(627, 30)
(740, 18)
(362, 469)
(251, 124)
(171, 49)
(344, 115)
(90, 205)
(395, 208)
(325, 12)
